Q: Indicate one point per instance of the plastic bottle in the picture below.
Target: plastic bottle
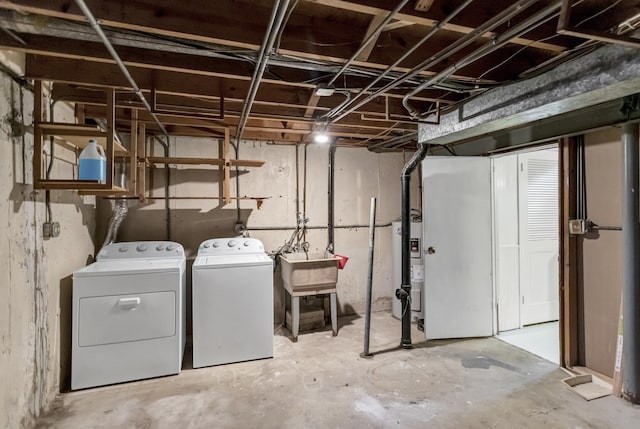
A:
(93, 163)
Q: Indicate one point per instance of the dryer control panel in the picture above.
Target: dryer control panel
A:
(141, 249)
(227, 246)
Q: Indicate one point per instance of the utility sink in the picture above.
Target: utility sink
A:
(309, 274)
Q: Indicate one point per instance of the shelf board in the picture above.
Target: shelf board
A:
(115, 191)
(205, 161)
(207, 198)
(77, 135)
(75, 184)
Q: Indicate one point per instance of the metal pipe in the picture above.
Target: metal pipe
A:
(105, 41)
(523, 27)
(404, 292)
(389, 69)
(631, 263)
(488, 26)
(330, 217)
(368, 40)
(167, 183)
(372, 240)
(277, 17)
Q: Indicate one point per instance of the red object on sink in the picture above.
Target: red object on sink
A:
(342, 261)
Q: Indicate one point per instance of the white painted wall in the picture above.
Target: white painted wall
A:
(359, 175)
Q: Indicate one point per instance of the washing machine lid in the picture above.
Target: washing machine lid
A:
(138, 266)
(226, 261)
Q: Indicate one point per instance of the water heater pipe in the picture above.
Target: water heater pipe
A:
(330, 209)
(404, 292)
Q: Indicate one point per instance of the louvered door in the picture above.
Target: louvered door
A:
(539, 240)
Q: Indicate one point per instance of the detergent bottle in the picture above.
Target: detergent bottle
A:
(93, 163)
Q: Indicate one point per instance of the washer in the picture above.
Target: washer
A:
(232, 296)
(129, 314)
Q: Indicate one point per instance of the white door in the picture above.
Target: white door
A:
(507, 241)
(457, 242)
(539, 241)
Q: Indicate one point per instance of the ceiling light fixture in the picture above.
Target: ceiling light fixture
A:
(321, 137)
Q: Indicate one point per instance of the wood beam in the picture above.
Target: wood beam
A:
(234, 28)
(373, 24)
(380, 7)
(73, 71)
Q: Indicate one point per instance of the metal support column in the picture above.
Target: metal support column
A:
(631, 264)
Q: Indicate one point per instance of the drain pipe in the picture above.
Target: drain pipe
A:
(330, 212)
(404, 292)
(631, 264)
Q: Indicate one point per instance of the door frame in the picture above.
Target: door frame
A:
(559, 146)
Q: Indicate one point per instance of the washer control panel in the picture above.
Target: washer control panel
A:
(227, 246)
(141, 249)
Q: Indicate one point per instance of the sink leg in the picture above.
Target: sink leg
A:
(295, 316)
(334, 314)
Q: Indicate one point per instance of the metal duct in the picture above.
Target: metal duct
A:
(404, 292)
(119, 212)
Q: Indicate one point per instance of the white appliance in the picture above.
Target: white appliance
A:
(129, 314)
(232, 295)
(417, 270)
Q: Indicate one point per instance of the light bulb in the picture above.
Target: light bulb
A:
(321, 137)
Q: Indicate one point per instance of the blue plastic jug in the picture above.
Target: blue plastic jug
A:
(93, 163)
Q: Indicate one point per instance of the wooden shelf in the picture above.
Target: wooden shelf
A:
(115, 191)
(85, 185)
(77, 135)
(205, 161)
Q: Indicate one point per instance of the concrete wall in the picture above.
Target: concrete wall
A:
(359, 175)
(35, 283)
(601, 280)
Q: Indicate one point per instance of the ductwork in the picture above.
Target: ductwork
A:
(404, 292)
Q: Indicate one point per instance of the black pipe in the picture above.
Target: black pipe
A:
(404, 292)
(631, 264)
(332, 160)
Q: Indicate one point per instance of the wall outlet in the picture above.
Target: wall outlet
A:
(50, 230)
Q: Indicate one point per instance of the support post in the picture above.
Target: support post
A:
(631, 263)
(372, 240)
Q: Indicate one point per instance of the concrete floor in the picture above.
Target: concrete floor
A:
(322, 382)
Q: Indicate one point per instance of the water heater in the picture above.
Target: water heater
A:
(417, 269)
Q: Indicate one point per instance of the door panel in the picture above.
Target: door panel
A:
(539, 241)
(505, 191)
(457, 228)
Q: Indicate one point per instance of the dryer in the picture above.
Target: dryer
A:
(232, 293)
(129, 314)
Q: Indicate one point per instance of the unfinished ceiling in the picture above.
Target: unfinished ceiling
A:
(384, 66)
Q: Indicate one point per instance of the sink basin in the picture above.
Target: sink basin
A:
(309, 274)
